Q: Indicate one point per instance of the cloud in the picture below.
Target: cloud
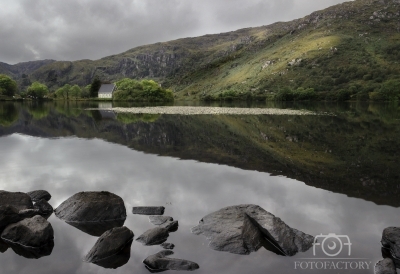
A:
(90, 29)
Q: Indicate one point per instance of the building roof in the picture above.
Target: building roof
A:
(107, 88)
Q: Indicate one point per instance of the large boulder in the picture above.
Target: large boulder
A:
(38, 195)
(148, 210)
(112, 249)
(385, 266)
(391, 241)
(243, 229)
(93, 212)
(159, 220)
(159, 262)
(31, 237)
(44, 208)
(18, 200)
(154, 236)
(8, 215)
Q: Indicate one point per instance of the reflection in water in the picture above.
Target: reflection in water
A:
(33, 252)
(96, 228)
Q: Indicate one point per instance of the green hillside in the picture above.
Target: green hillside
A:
(350, 50)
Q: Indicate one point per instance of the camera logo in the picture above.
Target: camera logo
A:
(332, 244)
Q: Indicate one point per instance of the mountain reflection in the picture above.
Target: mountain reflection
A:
(353, 153)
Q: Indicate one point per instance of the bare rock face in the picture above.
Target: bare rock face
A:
(112, 249)
(31, 237)
(18, 200)
(93, 212)
(38, 195)
(159, 220)
(243, 229)
(159, 262)
(154, 236)
(385, 266)
(148, 210)
(44, 208)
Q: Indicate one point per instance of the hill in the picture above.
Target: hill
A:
(349, 49)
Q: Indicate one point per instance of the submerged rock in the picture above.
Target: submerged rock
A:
(93, 212)
(154, 236)
(44, 208)
(167, 246)
(391, 241)
(385, 266)
(159, 220)
(31, 237)
(112, 249)
(159, 262)
(243, 229)
(18, 200)
(148, 210)
(38, 195)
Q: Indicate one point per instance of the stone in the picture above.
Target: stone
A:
(3, 247)
(31, 237)
(28, 213)
(93, 212)
(38, 195)
(8, 215)
(154, 236)
(167, 246)
(159, 220)
(385, 266)
(44, 208)
(159, 262)
(112, 249)
(148, 210)
(243, 229)
(18, 200)
(391, 241)
(171, 226)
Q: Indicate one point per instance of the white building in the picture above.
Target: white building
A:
(107, 90)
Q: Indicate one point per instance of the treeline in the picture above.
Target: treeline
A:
(142, 91)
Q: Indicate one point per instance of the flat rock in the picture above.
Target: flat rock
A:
(112, 249)
(93, 211)
(167, 246)
(44, 208)
(154, 236)
(244, 229)
(18, 200)
(159, 220)
(8, 215)
(159, 262)
(391, 241)
(385, 266)
(148, 210)
(38, 195)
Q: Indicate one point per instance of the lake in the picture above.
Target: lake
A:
(320, 174)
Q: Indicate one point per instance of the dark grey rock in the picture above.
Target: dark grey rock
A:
(44, 208)
(159, 262)
(38, 195)
(31, 237)
(28, 213)
(243, 229)
(93, 212)
(154, 236)
(385, 266)
(3, 247)
(18, 200)
(167, 246)
(112, 249)
(148, 210)
(391, 241)
(159, 220)
(8, 215)
(171, 226)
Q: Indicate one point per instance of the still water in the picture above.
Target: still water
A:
(319, 174)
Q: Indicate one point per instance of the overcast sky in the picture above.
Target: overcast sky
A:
(91, 29)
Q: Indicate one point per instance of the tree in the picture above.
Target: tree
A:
(75, 92)
(38, 90)
(8, 86)
(94, 87)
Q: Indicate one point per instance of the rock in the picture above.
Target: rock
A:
(3, 247)
(148, 210)
(44, 208)
(38, 195)
(154, 236)
(8, 215)
(391, 241)
(385, 266)
(31, 238)
(18, 200)
(93, 212)
(167, 246)
(171, 226)
(112, 249)
(28, 213)
(243, 229)
(159, 220)
(159, 262)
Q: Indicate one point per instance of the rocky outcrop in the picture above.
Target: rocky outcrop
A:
(93, 212)
(159, 262)
(154, 236)
(148, 210)
(385, 266)
(18, 200)
(31, 237)
(112, 249)
(38, 195)
(159, 220)
(44, 208)
(243, 229)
